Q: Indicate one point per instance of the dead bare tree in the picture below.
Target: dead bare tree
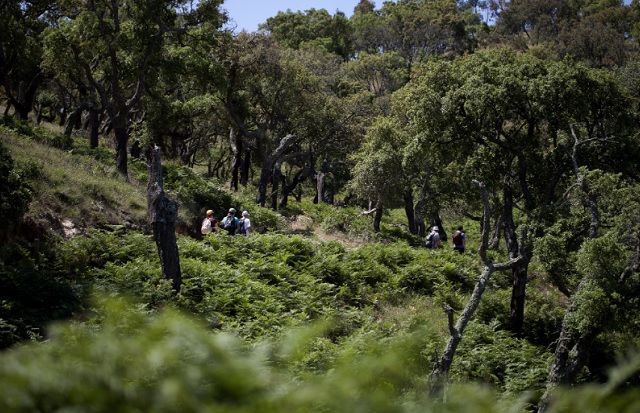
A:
(441, 369)
(162, 217)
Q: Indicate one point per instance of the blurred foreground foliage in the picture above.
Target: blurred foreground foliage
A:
(260, 288)
(130, 361)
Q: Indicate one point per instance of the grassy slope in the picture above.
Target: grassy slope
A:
(74, 188)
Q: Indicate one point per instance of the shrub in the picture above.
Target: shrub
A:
(38, 134)
(490, 355)
(33, 292)
(15, 193)
(169, 363)
(81, 254)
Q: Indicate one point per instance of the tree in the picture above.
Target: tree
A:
(20, 51)
(286, 93)
(442, 366)
(118, 47)
(182, 111)
(416, 29)
(380, 74)
(313, 26)
(163, 213)
(378, 174)
(499, 116)
(608, 263)
(592, 31)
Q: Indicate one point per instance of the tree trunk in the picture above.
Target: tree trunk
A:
(320, 176)
(428, 205)
(409, 211)
(7, 108)
(265, 177)
(23, 102)
(122, 138)
(436, 221)
(94, 124)
(518, 297)
(421, 228)
(377, 217)
(569, 357)
(275, 184)
(63, 117)
(495, 239)
(236, 157)
(287, 189)
(38, 111)
(162, 216)
(267, 166)
(441, 369)
(519, 273)
(71, 122)
(245, 167)
(321, 180)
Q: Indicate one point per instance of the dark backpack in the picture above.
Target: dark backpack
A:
(231, 225)
(457, 238)
(241, 229)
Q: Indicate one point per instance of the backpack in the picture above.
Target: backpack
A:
(231, 225)
(429, 242)
(457, 238)
(241, 229)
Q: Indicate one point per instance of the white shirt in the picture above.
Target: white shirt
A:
(246, 226)
(435, 239)
(206, 227)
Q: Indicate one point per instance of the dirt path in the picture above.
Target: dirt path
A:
(304, 225)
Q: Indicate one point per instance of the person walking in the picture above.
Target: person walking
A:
(244, 226)
(209, 223)
(459, 240)
(433, 239)
(230, 222)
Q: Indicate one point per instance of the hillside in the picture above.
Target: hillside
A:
(73, 192)
(409, 206)
(261, 287)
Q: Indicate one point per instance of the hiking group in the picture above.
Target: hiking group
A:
(230, 223)
(433, 240)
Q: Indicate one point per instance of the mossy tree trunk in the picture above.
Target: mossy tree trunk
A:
(162, 217)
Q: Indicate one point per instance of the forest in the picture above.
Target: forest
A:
(349, 139)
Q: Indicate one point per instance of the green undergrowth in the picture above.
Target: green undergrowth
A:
(256, 286)
(170, 363)
(264, 286)
(37, 134)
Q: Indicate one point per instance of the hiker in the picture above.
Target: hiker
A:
(209, 223)
(433, 239)
(244, 226)
(458, 239)
(230, 222)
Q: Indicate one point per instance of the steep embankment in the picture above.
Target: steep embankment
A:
(71, 189)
